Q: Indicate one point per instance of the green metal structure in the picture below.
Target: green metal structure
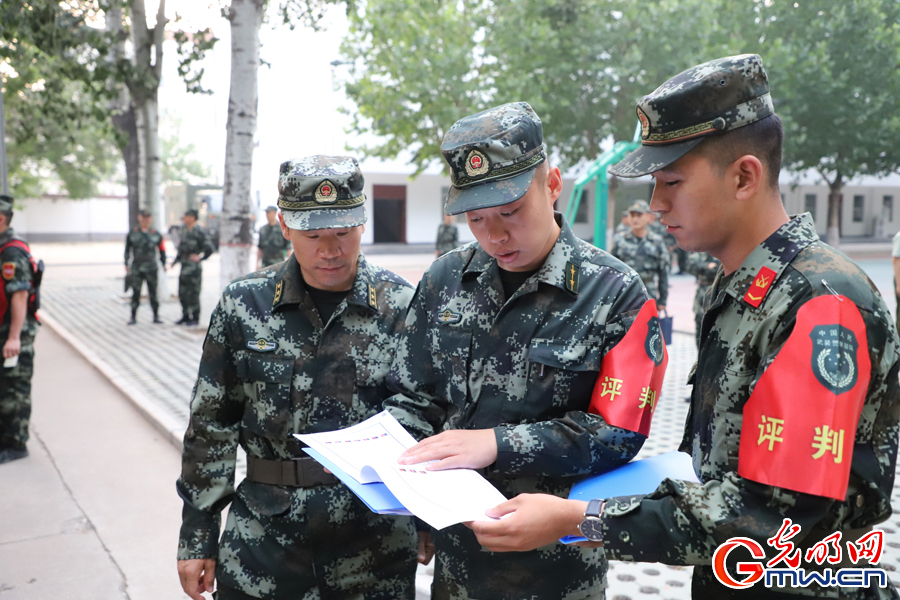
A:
(597, 170)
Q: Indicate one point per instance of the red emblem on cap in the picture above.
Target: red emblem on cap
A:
(326, 190)
(760, 287)
(476, 162)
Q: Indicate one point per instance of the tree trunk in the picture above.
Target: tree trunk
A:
(125, 121)
(236, 233)
(833, 235)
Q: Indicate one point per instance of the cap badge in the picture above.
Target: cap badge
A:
(477, 164)
(325, 193)
(645, 124)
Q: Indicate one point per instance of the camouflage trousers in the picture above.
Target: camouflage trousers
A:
(15, 393)
(189, 282)
(141, 272)
(327, 545)
(270, 260)
(466, 571)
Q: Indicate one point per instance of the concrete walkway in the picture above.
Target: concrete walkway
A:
(91, 513)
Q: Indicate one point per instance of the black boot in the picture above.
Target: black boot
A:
(183, 320)
(133, 318)
(156, 318)
(11, 454)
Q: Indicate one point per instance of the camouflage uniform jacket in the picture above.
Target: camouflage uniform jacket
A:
(683, 523)
(271, 368)
(19, 280)
(649, 257)
(698, 266)
(194, 241)
(272, 243)
(525, 367)
(447, 238)
(143, 246)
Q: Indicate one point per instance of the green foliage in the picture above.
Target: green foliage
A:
(192, 48)
(55, 98)
(583, 64)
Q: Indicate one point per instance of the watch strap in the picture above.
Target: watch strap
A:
(593, 508)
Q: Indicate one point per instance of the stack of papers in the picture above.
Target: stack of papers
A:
(364, 457)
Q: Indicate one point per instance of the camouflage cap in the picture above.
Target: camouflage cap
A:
(6, 203)
(709, 99)
(492, 157)
(271, 209)
(639, 206)
(321, 192)
(146, 213)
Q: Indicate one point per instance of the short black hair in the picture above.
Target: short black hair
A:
(8, 214)
(762, 139)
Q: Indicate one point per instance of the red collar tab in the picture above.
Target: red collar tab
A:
(760, 287)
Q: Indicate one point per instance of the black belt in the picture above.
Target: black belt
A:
(300, 472)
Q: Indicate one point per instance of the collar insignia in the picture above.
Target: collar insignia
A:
(448, 317)
(373, 300)
(261, 345)
(760, 287)
(572, 276)
(278, 288)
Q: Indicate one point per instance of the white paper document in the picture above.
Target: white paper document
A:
(368, 452)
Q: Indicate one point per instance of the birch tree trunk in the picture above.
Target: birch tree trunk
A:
(833, 234)
(236, 228)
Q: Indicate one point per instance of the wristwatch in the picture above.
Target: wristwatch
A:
(590, 526)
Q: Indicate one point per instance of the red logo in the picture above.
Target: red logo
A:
(9, 270)
(753, 570)
(760, 287)
(326, 190)
(476, 162)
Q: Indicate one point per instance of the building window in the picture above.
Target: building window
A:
(810, 205)
(887, 209)
(858, 204)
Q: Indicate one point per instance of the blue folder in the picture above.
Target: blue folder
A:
(637, 477)
(376, 496)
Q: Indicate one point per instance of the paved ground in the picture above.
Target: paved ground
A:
(154, 366)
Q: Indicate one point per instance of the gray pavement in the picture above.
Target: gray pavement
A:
(154, 367)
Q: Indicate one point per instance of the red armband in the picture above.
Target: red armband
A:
(631, 375)
(799, 424)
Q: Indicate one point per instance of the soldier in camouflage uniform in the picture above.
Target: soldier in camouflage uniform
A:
(275, 362)
(625, 224)
(18, 327)
(142, 244)
(791, 320)
(704, 267)
(273, 246)
(514, 329)
(447, 237)
(645, 252)
(195, 246)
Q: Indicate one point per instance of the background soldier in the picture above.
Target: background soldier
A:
(895, 263)
(704, 267)
(645, 252)
(514, 329)
(195, 246)
(447, 237)
(275, 362)
(143, 243)
(624, 223)
(273, 246)
(790, 318)
(18, 327)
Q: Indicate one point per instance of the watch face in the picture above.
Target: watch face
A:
(590, 528)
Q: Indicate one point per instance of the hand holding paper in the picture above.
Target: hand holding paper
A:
(456, 449)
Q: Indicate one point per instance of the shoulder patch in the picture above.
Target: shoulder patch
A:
(573, 273)
(799, 425)
(9, 270)
(760, 287)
